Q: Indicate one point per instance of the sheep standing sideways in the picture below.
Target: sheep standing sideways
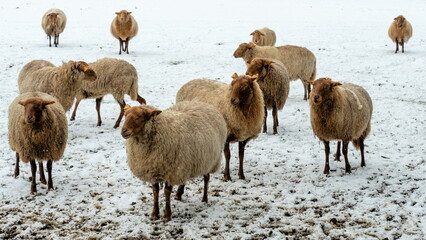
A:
(274, 82)
(342, 112)
(61, 82)
(114, 76)
(240, 103)
(38, 130)
(264, 37)
(173, 146)
(53, 23)
(400, 31)
(299, 61)
(124, 27)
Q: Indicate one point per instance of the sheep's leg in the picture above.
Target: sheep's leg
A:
(127, 45)
(402, 45)
(56, 40)
(167, 211)
(264, 120)
(75, 110)
(121, 45)
(361, 146)
(397, 47)
(49, 174)
(309, 89)
(98, 109)
(305, 88)
(179, 192)
(275, 116)
(155, 210)
(327, 153)
(206, 187)
(33, 178)
(41, 170)
(17, 165)
(122, 105)
(141, 100)
(345, 154)
(337, 155)
(241, 146)
(227, 153)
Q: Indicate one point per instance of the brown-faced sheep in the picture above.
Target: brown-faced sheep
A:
(38, 130)
(173, 146)
(299, 61)
(114, 76)
(241, 104)
(264, 37)
(53, 23)
(342, 112)
(400, 31)
(274, 82)
(124, 27)
(62, 82)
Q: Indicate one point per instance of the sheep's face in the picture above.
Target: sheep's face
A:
(257, 66)
(52, 19)
(399, 21)
(33, 109)
(242, 48)
(89, 74)
(321, 90)
(257, 35)
(241, 88)
(123, 16)
(136, 119)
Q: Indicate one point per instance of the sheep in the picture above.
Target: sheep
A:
(241, 104)
(173, 146)
(342, 112)
(400, 31)
(274, 81)
(299, 61)
(124, 27)
(62, 82)
(38, 130)
(116, 77)
(264, 37)
(53, 23)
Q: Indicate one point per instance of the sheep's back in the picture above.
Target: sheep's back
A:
(62, 21)
(27, 82)
(269, 39)
(275, 86)
(299, 61)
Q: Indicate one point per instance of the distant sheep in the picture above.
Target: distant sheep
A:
(38, 130)
(274, 82)
(53, 23)
(124, 27)
(342, 112)
(400, 31)
(264, 37)
(241, 104)
(61, 82)
(299, 61)
(173, 146)
(114, 76)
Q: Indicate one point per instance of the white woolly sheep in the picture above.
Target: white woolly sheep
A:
(38, 130)
(342, 112)
(173, 146)
(124, 27)
(299, 61)
(62, 82)
(240, 103)
(400, 31)
(264, 37)
(274, 82)
(114, 76)
(53, 23)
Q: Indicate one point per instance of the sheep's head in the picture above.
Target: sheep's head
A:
(258, 66)
(123, 16)
(136, 118)
(241, 88)
(400, 20)
(242, 48)
(321, 90)
(257, 35)
(33, 109)
(89, 74)
(52, 19)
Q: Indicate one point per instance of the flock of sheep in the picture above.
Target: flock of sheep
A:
(187, 139)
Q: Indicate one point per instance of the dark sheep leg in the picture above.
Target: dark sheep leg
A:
(141, 100)
(49, 174)
(121, 45)
(117, 123)
(338, 154)
(345, 154)
(227, 153)
(98, 109)
(155, 210)
(167, 211)
(361, 146)
(206, 187)
(241, 147)
(75, 110)
(275, 116)
(327, 153)
(180, 192)
(265, 129)
(397, 47)
(17, 165)
(33, 178)
(41, 170)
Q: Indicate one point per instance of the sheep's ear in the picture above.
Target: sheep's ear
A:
(253, 77)
(261, 33)
(252, 33)
(234, 76)
(334, 84)
(117, 13)
(21, 103)
(129, 13)
(127, 107)
(311, 81)
(395, 18)
(251, 45)
(47, 102)
(249, 62)
(155, 113)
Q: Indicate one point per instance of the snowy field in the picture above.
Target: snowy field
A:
(285, 194)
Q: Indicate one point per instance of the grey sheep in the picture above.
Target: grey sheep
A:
(53, 24)
(124, 27)
(264, 37)
(400, 31)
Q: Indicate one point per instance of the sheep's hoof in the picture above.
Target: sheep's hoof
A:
(241, 176)
(226, 178)
(179, 198)
(155, 216)
(99, 124)
(275, 132)
(167, 218)
(16, 175)
(327, 170)
(42, 180)
(348, 171)
(205, 200)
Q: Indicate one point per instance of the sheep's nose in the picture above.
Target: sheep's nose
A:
(234, 101)
(125, 133)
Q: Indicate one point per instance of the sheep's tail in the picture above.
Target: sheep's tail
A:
(357, 142)
(134, 90)
(314, 73)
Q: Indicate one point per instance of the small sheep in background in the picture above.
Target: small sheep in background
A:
(241, 104)
(264, 37)
(173, 146)
(61, 82)
(299, 61)
(400, 31)
(274, 82)
(114, 76)
(53, 23)
(124, 27)
(38, 130)
(342, 112)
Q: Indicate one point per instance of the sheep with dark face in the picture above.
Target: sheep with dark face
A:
(53, 24)
(400, 31)
(124, 27)
(342, 112)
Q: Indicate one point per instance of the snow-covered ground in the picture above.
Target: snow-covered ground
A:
(285, 193)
